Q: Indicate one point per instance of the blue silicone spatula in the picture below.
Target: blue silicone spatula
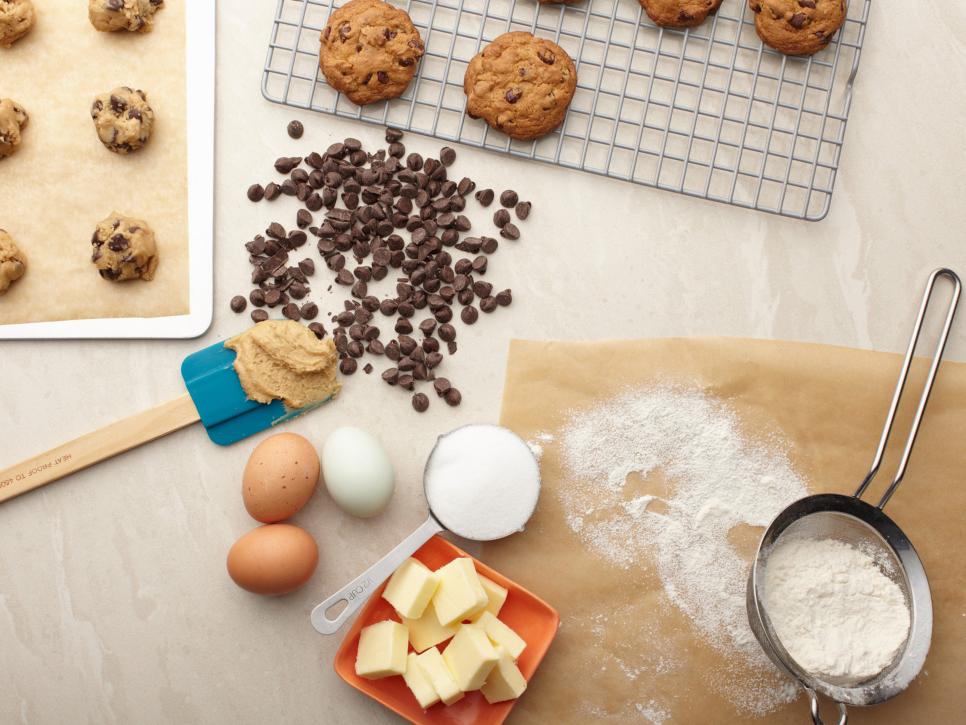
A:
(215, 397)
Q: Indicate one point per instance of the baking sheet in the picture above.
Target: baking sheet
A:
(617, 626)
(62, 181)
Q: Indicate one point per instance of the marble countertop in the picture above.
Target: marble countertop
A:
(114, 602)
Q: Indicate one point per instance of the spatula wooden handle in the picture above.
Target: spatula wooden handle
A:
(95, 447)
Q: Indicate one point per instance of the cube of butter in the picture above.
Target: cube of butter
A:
(427, 631)
(382, 650)
(439, 675)
(500, 634)
(470, 656)
(419, 683)
(460, 594)
(410, 588)
(495, 594)
(505, 682)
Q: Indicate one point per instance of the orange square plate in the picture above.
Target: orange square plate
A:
(525, 613)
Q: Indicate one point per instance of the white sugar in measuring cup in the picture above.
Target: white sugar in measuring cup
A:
(853, 521)
(488, 515)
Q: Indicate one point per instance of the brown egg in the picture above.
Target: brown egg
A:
(273, 559)
(280, 477)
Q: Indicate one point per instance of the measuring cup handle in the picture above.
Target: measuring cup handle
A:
(358, 590)
(900, 386)
(813, 707)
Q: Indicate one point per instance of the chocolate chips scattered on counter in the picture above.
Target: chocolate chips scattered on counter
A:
(372, 216)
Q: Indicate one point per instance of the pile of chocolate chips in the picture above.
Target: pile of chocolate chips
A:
(380, 213)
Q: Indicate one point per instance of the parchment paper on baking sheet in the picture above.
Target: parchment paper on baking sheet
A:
(62, 181)
(652, 627)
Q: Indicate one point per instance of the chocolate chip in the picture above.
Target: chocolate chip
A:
(469, 315)
(453, 397)
(303, 218)
(420, 402)
(272, 191)
(295, 129)
(257, 297)
(504, 298)
(446, 332)
(259, 316)
(546, 56)
(318, 329)
(291, 311)
(798, 20)
(393, 135)
(509, 198)
(348, 366)
(309, 311)
(523, 210)
(447, 156)
(285, 164)
(256, 192)
(238, 303)
(510, 231)
(403, 326)
(488, 304)
(501, 218)
(307, 266)
(513, 95)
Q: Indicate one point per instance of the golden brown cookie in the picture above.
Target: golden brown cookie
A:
(370, 51)
(798, 27)
(16, 20)
(679, 13)
(124, 249)
(520, 85)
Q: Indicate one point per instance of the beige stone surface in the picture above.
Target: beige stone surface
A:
(114, 601)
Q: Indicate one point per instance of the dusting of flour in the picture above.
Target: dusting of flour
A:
(717, 480)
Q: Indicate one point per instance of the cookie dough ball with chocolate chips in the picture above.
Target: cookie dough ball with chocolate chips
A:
(370, 51)
(16, 20)
(124, 249)
(112, 15)
(13, 120)
(520, 85)
(679, 13)
(13, 263)
(123, 119)
(798, 27)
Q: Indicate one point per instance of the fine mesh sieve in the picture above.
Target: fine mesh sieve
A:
(851, 520)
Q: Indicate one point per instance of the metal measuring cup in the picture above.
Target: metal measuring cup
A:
(358, 590)
(855, 522)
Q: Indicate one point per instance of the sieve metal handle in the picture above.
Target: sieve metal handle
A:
(813, 707)
(900, 386)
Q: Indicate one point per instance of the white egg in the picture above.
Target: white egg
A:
(357, 472)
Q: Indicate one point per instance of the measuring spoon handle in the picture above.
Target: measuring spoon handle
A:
(358, 590)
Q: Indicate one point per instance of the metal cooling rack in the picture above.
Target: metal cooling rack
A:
(707, 112)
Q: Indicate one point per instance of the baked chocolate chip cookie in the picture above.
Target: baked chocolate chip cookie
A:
(133, 15)
(520, 85)
(123, 119)
(370, 50)
(798, 27)
(679, 13)
(124, 249)
(16, 20)
(13, 263)
(13, 120)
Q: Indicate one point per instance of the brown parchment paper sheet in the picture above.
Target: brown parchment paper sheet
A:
(829, 404)
(62, 181)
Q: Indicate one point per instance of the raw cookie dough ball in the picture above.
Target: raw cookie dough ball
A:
(13, 263)
(13, 120)
(111, 15)
(123, 119)
(16, 20)
(124, 249)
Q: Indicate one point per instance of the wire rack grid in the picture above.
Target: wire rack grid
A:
(708, 112)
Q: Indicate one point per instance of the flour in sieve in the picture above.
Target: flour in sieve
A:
(718, 481)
